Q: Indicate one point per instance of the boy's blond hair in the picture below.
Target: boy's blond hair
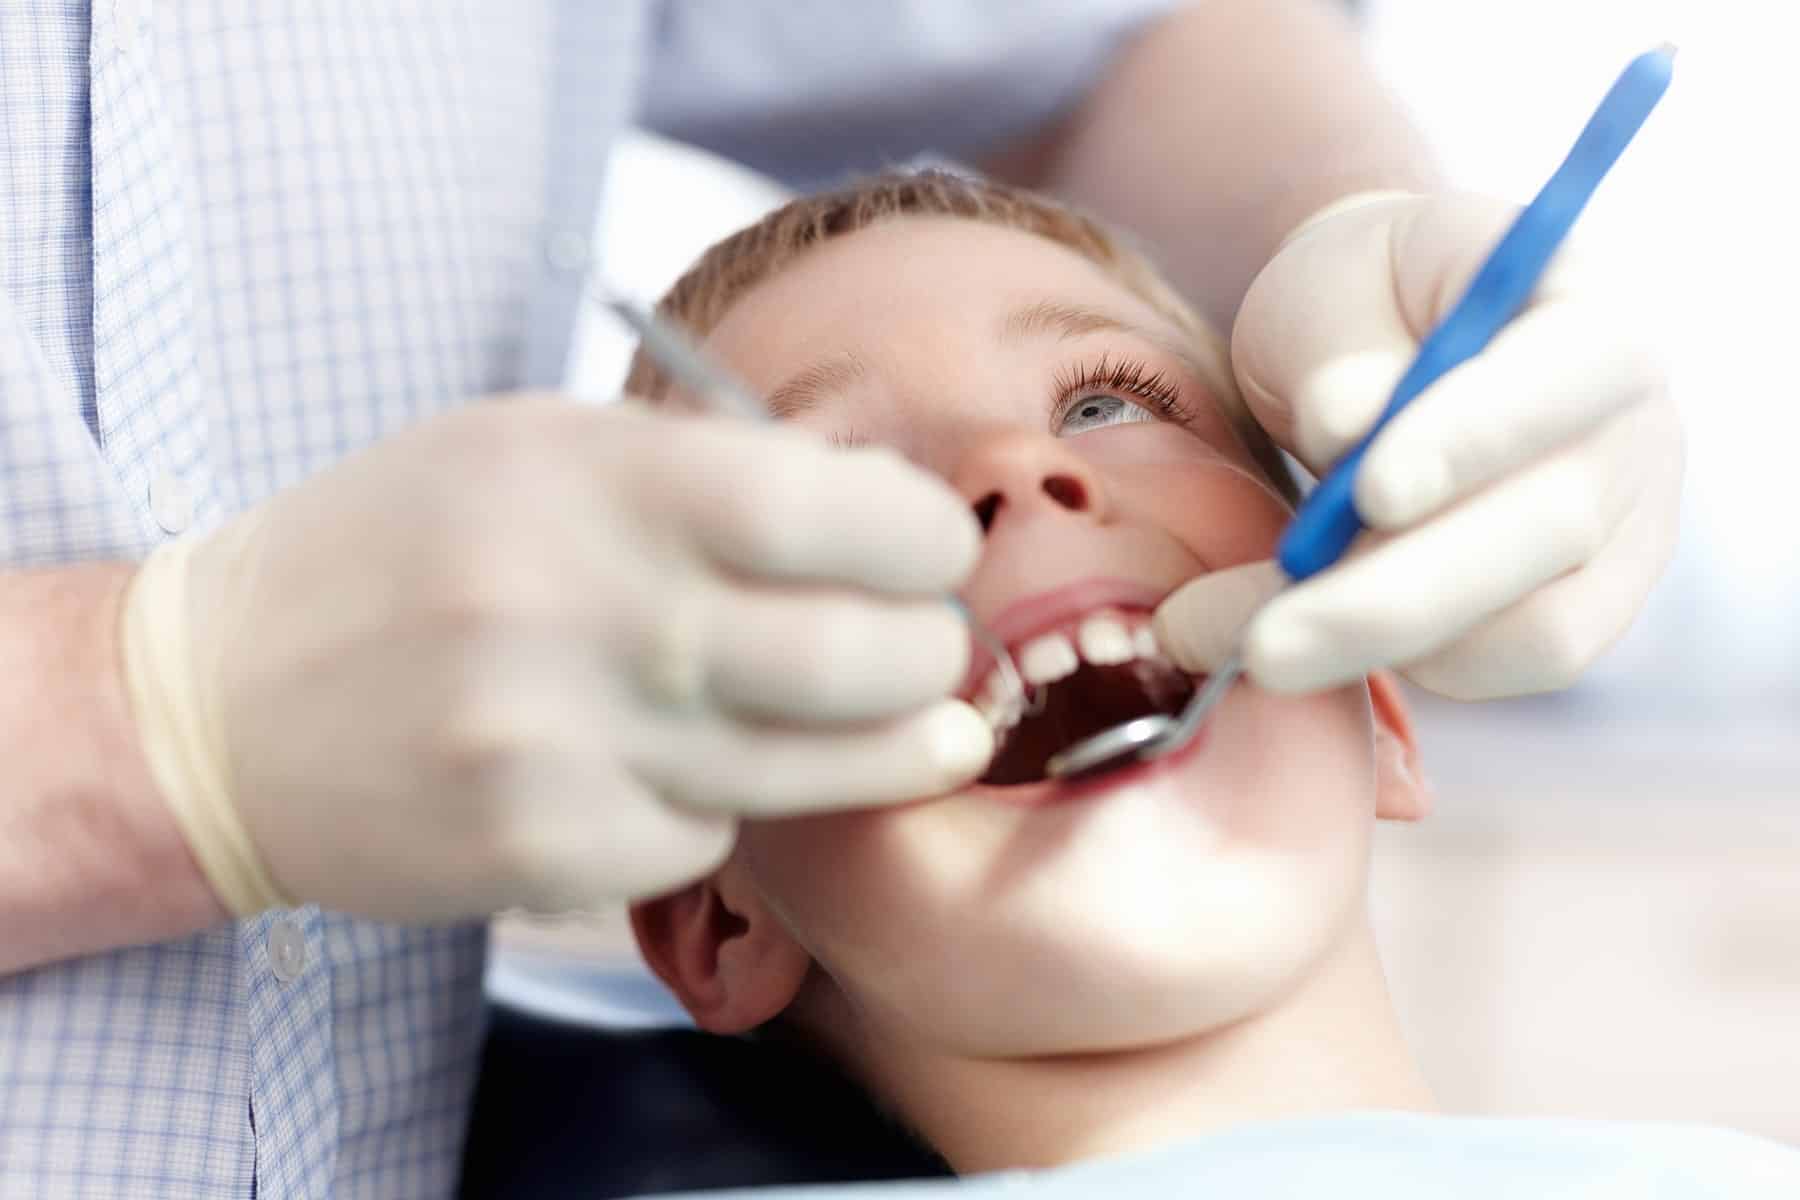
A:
(701, 297)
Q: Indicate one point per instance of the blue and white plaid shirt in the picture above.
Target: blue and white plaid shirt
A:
(238, 241)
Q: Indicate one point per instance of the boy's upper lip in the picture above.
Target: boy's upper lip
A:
(1039, 612)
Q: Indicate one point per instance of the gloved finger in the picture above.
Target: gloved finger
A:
(1322, 335)
(1557, 371)
(781, 504)
(767, 771)
(1199, 624)
(1411, 593)
(805, 657)
(1335, 318)
(532, 807)
(1317, 383)
(1337, 402)
(586, 855)
(1546, 640)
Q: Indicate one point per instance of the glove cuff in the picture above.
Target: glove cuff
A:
(1344, 204)
(179, 735)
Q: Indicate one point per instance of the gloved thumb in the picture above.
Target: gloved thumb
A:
(1322, 338)
(1200, 623)
(1335, 318)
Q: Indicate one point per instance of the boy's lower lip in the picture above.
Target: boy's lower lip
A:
(1091, 787)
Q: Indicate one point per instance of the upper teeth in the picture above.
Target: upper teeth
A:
(1047, 659)
(1105, 639)
(1102, 638)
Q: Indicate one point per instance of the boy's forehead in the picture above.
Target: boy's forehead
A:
(911, 276)
(862, 336)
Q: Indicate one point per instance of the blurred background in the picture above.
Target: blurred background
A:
(1603, 916)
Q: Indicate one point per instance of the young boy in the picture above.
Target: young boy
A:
(1166, 970)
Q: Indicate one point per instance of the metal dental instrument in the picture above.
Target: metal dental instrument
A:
(690, 366)
(721, 392)
(1327, 521)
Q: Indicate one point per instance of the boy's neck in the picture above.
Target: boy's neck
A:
(1332, 1045)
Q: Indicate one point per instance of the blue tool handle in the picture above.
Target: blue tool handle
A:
(1328, 521)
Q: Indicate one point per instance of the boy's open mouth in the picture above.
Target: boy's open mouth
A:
(1097, 672)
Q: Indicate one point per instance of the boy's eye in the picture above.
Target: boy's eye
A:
(1112, 392)
(1098, 412)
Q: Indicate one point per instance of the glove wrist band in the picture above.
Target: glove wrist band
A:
(178, 732)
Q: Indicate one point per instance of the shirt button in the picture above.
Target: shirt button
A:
(171, 502)
(287, 950)
(567, 251)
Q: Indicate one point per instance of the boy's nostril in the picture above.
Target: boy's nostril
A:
(1067, 491)
(986, 509)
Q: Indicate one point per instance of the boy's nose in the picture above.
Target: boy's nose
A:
(1016, 472)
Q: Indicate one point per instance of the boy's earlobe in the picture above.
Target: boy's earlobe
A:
(717, 946)
(1401, 791)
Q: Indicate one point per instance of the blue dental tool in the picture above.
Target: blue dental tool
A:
(1328, 522)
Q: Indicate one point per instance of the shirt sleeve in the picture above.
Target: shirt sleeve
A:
(809, 90)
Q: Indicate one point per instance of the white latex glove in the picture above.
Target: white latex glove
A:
(542, 655)
(1524, 504)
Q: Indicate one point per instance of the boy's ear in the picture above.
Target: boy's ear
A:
(1401, 793)
(719, 948)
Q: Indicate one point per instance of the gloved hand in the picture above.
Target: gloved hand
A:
(1522, 507)
(541, 655)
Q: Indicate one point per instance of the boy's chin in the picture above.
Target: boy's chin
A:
(1108, 976)
(1148, 906)
(1162, 929)
(1130, 1021)
(1184, 996)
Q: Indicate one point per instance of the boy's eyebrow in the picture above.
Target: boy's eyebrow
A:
(1044, 318)
(805, 389)
(1055, 318)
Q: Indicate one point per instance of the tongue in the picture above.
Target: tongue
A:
(1092, 699)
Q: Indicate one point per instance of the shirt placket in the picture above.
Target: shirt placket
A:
(148, 420)
(151, 429)
(294, 1085)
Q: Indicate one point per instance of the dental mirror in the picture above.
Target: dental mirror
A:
(1143, 738)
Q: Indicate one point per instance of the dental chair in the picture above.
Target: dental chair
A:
(593, 1084)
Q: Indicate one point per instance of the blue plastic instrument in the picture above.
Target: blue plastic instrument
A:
(1328, 521)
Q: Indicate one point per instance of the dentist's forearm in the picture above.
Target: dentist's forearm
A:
(90, 857)
(1221, 128)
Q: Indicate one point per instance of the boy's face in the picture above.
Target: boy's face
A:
(1042, 918)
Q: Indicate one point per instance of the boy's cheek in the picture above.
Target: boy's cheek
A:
(1223, 516)
(1154, 443)
(817, 864)
(1161, 466)
(870, 876)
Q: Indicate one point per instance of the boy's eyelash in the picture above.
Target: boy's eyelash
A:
(1132, 377)
(1128, 376)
